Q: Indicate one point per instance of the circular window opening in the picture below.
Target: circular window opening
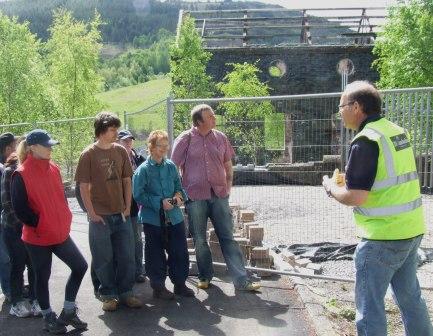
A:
(277, 69)
(345, 66)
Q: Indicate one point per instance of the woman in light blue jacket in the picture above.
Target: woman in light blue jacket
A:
(157, 188)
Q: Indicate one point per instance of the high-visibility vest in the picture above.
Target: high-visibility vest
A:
(393, 209)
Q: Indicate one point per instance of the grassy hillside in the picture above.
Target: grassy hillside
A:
(136, 98)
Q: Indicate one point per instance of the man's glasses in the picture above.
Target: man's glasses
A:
(343, 105)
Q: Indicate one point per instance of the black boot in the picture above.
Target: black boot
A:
(52, 325)
(72, 319)
(163, 293)
(183, 290)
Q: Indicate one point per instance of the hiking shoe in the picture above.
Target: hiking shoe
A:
(140, 278)
(20, 309)
(110, 305)
(163, 293)
(183, 290)
(203, 283)
(250, 286)
(52, 325)
(35, 309)
(71, 319)
(133, 302)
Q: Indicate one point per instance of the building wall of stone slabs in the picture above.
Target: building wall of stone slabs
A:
(310, 69)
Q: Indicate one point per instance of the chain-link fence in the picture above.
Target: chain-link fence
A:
(282, 155)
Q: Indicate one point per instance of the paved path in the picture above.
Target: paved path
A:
(276, 310)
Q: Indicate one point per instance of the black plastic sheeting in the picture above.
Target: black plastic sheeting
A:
(327, 251)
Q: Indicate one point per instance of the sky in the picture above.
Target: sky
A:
(330, 3)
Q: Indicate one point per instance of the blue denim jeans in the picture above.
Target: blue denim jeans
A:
(112, 256)
(218, 210)
(5, 267)
(382, 263)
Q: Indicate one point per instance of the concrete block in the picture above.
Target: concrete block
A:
(315, 267)
(191, 251)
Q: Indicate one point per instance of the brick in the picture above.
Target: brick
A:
(246, 229)
(190, 243)
(242, 241)
(315, 267)
(246, 216)
(256, 234)
(211, 235)
(191, 251)
(259, 253)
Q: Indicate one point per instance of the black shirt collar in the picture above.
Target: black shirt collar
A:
(371, 118)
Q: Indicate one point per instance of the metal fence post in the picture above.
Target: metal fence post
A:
(170, 124)
(125, 122)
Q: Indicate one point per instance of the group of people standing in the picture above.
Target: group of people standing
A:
(122, 194)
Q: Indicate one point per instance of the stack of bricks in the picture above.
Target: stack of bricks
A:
(249, 236)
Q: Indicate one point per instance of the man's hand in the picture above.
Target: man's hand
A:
(127, 212)
(327, 184)
(93, 217)
(178, 198)
(166, 205)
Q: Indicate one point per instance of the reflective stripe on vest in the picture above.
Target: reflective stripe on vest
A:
(391, 181)
(390, 210)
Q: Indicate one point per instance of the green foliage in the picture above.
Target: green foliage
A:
(124, 20)
(188, 62)
(139, 65)
(23, 86)
(404, 49)
(244, 122)
(72, 54)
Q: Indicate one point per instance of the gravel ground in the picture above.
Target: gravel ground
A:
(304, 214)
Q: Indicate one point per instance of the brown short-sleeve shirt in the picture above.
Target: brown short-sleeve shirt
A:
(104, 169)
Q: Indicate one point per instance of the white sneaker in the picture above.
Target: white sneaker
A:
(20, 309)
(36, 309)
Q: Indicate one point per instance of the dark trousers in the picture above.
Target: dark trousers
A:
(156, 260)
(19, 259)
(41, 257)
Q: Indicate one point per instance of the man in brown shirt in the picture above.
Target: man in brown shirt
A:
(104, 174)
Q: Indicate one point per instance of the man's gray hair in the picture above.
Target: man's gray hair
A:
(197, 113)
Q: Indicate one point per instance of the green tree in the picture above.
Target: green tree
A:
(245, 122)
(23, 86)
(72, 53)
(404, 48)
(188, 61)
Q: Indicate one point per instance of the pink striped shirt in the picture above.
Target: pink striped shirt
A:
(201, 159)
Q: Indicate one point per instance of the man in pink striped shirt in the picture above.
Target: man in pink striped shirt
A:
(204, 156)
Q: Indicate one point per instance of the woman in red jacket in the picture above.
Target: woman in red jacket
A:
(39, 201)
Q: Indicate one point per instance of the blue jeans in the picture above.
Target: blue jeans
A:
(177, 260)
(382, 263)
(218, 210)
(112, 256)
(5, 267)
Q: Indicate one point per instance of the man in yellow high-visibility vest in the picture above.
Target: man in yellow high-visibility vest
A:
(383, 187)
